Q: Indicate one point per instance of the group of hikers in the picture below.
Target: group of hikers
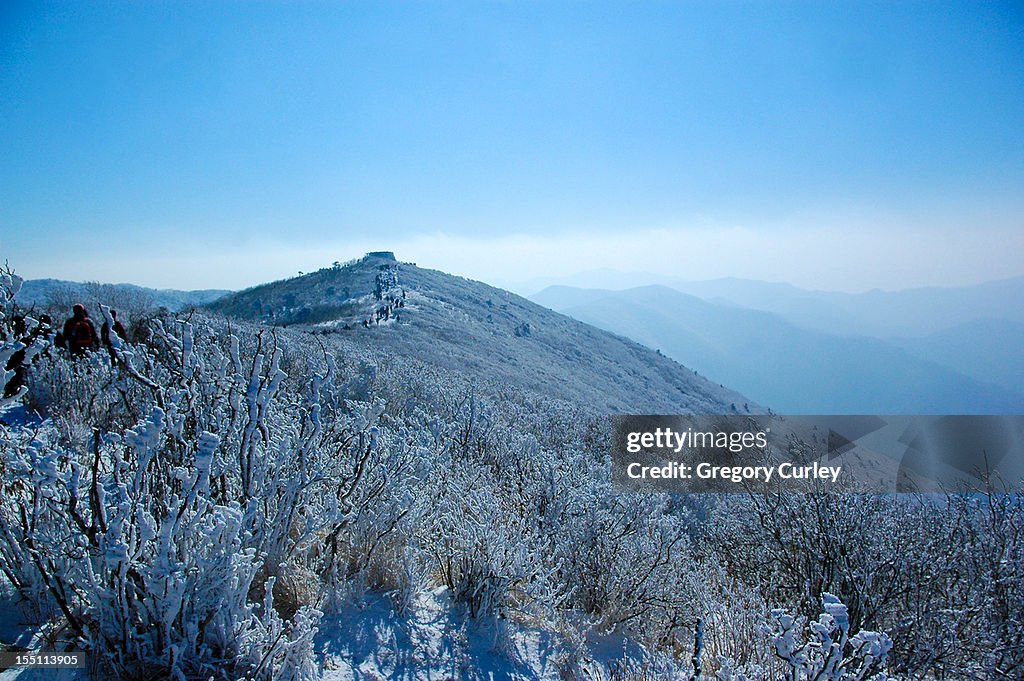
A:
(78, 337)
(79, 333)
(386, 311)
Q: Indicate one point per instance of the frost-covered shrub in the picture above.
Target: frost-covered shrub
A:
(22, 339)
(627, 562)
(85, 394)
(981, 620)
(828, 652)
(733, 617)
(819, 650)
(476, 549)
(371, 541)
(941, 575)
(161, 545)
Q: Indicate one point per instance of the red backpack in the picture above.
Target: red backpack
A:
(81, 333)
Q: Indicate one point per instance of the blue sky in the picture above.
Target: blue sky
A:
(835, 145)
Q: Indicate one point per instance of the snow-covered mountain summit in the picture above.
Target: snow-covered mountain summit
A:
(476, 329)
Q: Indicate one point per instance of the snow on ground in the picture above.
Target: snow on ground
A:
(433, 641)
(373, 641)
(17, 415)
(27, 674)
(17, 633)
(14, 631)
(30, 674)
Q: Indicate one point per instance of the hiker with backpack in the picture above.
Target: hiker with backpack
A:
(79, 335)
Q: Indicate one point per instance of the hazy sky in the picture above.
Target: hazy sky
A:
(832, 145)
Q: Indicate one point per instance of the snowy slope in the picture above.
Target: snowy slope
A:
(470, 327)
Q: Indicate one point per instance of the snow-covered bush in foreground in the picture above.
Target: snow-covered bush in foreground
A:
(161, 546)
(830, 653)
(17, 350)
(943, 576)
(821, 650)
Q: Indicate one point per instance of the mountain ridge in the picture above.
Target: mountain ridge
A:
(62, 291)
(918, 311)
(469, 326)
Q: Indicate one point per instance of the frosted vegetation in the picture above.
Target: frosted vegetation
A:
(218, 500)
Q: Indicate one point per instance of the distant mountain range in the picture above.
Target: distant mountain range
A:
(66, 293)
(987, 349)
(912, 312)
(801, 369)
